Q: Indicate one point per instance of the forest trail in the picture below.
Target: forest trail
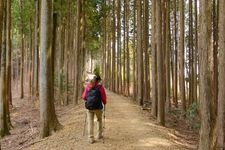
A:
(126, 129)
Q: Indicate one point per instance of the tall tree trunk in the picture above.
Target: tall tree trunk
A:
(61, 63)
(175, 56)
(78, 45)
(114, 47)
(119, 77)
(181, 56)
(195, 65)
(205, 83)
(22, 51)
(213, 67)
(83, 46)
(109, 53)
(134, 53)
(8, 56)
(215, 52)
(139, 54)
(124, 49)
(4, 126)
(36, 50)
(104, 52)
(164, 36)
(191, 99)
(221, 78)
(80, 52)
(167, 59)
(49, 121)
(154, 61)
(146, 49)
(161, 99)
(53, 51)
(30, 60)
(8, 59)
(67, 53)
(66, 57)
(1, 26)
(127, 48)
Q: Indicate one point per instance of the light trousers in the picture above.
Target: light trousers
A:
(90, 119)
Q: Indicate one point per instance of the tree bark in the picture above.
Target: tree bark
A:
(49, 121)
(146, 49)
(167, 55)
(124, 49)
(119, 77)
(181, 56)
(139, 54)
(22, 52)
(114, 46)
(175, 56)
(154, 61)
(195, 65)
(36, 50)
(8, 59)
(160, 62)
(53, 51)
(134, 53)
(4, 126)
(191, 76)
(221, 78)
(127, 48)
(1, 26)
(30, 59)
(215, 53)
(78, 45)
(205, 83)
(61, 63)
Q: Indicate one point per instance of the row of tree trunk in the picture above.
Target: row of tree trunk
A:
(163, 59)
(179, 48)
(52, 58)
(5, 68)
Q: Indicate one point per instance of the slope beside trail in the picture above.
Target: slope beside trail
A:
(127, 128)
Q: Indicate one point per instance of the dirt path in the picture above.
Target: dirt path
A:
(127, 128)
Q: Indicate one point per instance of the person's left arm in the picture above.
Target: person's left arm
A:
(103, 95)
(84, 94)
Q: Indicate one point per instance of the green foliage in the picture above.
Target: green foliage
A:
(192, 116)
(64, 84)
(61, 7)
(25, 15)
(97, 70)
(95, 12)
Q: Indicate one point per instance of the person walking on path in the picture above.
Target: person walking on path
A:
(95, 97)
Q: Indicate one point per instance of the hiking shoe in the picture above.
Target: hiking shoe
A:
(91, 141)
(100, 137)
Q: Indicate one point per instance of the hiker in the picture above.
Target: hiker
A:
(94, 97)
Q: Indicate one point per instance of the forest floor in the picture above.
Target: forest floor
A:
(127, 127)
